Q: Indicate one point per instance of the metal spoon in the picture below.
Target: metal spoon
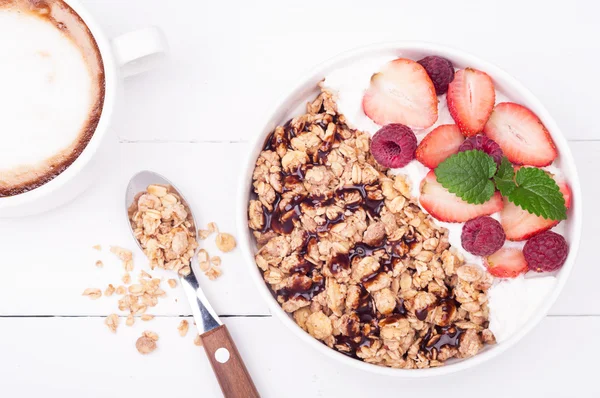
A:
(222, 353)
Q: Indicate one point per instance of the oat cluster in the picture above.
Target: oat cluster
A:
(352, 258)
(147, 342)
(164, 228)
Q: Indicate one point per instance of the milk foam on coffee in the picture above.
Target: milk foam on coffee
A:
(51, 91)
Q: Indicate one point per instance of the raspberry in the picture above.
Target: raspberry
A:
(546, 252)
(394, 145)
(440, 71)
(482, 236)
(485, 144)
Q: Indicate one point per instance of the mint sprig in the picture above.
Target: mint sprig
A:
(467, 175)
(474, 177)
(539, 194)
(505, 177)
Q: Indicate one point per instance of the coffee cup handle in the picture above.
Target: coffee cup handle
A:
(139, 51)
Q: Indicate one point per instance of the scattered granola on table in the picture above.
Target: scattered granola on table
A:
(354, 261)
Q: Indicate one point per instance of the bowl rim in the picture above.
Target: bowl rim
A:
(522, 93)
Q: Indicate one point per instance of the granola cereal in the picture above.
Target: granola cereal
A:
(350, 256)
(203, 234)
(163, 225)
(146, 343)
(126, 256)
(212, 227)
(112, 321)
(213, 273)
(225, 242)
(109, 290)
(203, 259)
(92, 293)
(183, 327)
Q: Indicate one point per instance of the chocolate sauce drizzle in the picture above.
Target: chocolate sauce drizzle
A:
(364, 322)
(448, 336)
(281, 220)
(300, 291)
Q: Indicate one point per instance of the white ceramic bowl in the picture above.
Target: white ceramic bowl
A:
(292, 105)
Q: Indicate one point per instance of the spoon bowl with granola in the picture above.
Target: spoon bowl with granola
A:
(410, 209)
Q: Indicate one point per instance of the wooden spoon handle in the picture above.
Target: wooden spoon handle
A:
(228, 365)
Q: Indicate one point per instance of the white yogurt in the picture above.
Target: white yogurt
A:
(512, 302)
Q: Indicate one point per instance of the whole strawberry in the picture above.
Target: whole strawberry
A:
(440, 71)
(546, 252)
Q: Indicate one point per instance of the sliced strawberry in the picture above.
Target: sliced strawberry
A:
(521, 225)
(521, 135)
(506, 263)
(446, 206)
(471, 97)
(566, 191)
(401, 92)
(439, 144)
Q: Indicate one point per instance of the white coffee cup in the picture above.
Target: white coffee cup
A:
(126, 55)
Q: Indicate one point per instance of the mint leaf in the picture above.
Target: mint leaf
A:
(539, 194)
(468, 175)
(505, 177)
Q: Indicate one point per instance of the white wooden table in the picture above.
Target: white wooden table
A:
(192, 119)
